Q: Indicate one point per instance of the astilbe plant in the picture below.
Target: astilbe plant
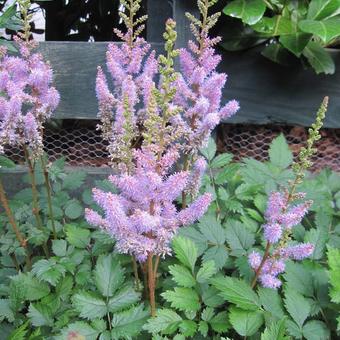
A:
(282, 214)
(27, 100)
(146, 127)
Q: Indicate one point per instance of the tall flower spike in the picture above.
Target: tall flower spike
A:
(282, 215)
(28, 97)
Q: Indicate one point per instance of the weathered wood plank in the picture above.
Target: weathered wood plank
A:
(158, 12)
(269, 93)
(75, 67)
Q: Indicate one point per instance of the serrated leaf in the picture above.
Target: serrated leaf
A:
(298, 278)
(246, 323)
(59, 247)
(207, 270)
(74, 180)
(185, 251)
(221, 160)
(279, 152)
(318, 238)
(183, 299)
(19, 333)
(210, 150)
(124, 298)
(64, 287)
(48, 270)
(212, 229)
(128, 323)
(182, 276)
(271, 302)
(73, 209)
(6, 311)
(188, 327)
(211, 297)
(166, 321)
(89, 305)
(319, 59)
(239, 238)
(203, 328)
(249, 11)
(194, 235)
(334, 273)
(108, 274)
(80, 329)
(237, 291)
(76, 236)
(219, 323)
(40, 315)
(315, 330)
(218, 254)
(297, 306)
(275, 331)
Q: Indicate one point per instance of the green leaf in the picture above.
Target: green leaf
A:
(277, 25)
(210, 150)
(108, 274)
(124, 298)
(194, 235)
(34, 290)
(80, 330)
(279, 152)
(299, 279)
(276, 331)
(316, 330)
(297, 306)
(185, 251)
(334, 273)
(221, 160)
(276, 53)
(237, 291)
(295, 42)
(166, 321)
(76, 236)
(219, 323)
(64, 288)
(6, 311)
(212, 229)
(249, 11)
(318, 238)
(184, 299)
(6, 162)
(246, 323)
(238, 237)
(48, 270)
(74, 180)
(89, 305)
(207, 270)
(322, 9)
(203, 328)
(182, 276)
(40, 315)
(218, 254)
(319, 59)
(73, 209)
(19, 333)
(188, 328)
(128, 323)
(271, 302)
(59, 247)
(327, 30)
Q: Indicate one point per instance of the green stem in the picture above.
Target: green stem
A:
(35, 200)
(13, 223)
(49, 197)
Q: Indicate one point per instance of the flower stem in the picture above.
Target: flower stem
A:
(13, 223)
(258, 270)
(152, 285)
(36, 208)
(49, 196)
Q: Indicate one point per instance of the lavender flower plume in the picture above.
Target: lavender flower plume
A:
(28, 97)
(281, 216)
(143, 217)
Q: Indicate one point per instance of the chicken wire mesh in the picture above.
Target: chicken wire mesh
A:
(83, 146)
